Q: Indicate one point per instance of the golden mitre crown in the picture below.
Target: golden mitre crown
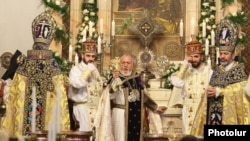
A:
(44, 28)
(226, 35)
(89, 46)
(194, 47)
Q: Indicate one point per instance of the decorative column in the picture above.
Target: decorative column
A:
(66, 22)
(246, 29)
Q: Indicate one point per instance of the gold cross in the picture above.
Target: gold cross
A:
(146, 27)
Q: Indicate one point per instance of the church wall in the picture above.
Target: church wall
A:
(15, 24)
(246, 29)
(16, 18)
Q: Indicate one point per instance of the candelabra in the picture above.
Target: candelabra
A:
(210, 52)
(71, 64)
(100, 55)
(182, 42)
(213, 56)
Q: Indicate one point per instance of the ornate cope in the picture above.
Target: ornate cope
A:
(222, 78)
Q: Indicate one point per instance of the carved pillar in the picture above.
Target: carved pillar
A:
(66, 23)
(246, 29)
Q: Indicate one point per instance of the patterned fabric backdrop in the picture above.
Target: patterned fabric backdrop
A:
(246, 29)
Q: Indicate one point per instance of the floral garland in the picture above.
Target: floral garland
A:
(62, 62)
(225, 3)
(108, 74)
(61, 7)
(208, 11)
(240, 19)
(60, 35)
(89, 13)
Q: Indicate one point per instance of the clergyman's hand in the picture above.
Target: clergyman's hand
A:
(211, 91)
(161, 109)
(115, 73)
(91, 66)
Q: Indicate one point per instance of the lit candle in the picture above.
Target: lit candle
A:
(99, 45)
(181, 28)
(84, 34)
(206, 47)
(90, 29)
(192, 26)
(33, 118)
(70, 53)
(101, 26)
(204, 28)
(50, 131)
(113, 28)
(76, 59)
(209, 62)
(212, 38)
(58, 108)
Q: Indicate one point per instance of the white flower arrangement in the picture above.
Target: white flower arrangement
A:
(172, 68)
(208, 11)
(89, 15)
(108, 73)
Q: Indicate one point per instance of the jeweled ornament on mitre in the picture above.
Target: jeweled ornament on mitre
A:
(44, 28)
(226, 35)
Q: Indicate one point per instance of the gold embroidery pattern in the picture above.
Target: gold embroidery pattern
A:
(221, 78)
(39, 73)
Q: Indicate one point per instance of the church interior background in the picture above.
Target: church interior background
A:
(151, 30)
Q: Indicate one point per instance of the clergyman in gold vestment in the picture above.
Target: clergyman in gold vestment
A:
(40, 71)
(226, 101)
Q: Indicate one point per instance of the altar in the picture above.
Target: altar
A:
(170, 122)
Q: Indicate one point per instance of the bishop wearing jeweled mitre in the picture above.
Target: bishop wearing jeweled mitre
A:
(38, 79)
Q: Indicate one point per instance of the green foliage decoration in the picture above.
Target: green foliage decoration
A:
(225, 3)
(89, 13)
(108, 73)
(208, 13)
(126, 22)
(63, 9)
(239, 18)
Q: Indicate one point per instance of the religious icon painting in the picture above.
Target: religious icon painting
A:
(226, 34)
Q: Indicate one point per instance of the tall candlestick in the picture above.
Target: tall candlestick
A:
(209, 66)
(50, 131)
(58, 112)
(101, 26)
(99, 45)
(90, 29)
(181, 28)
(70, 53)
(33, 118)
(84, 34)
(192, 26)
(76, 59)
(204, 29)
(206, 47)
(209, 62)
(113, 28)
(212, 38)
